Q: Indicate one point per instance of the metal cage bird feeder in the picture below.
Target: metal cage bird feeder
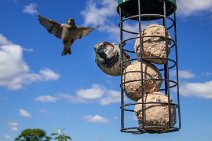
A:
(138, 12)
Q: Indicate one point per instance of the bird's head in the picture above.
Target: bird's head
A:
(105, 50)
(107, 54)
(71, 21)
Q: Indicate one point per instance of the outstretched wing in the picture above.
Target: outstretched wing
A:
(83, 31)
(51, 26)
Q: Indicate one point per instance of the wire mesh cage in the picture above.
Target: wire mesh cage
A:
(150, 101)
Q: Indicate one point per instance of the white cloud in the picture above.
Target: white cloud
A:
(7, 137)
(203, 90)
(92, 93)
(14, 128)
(48, 74)
(104, 12)
(96, 93)
(72, 98)
(30, 8)
(46, 98)
(112, 30)
(14, 70)
(28, 49)
(95, 119)
(101, 13)
(185, 74)
(111, 97)
(194, 7)
(13, 125)
(98, 12)
(44, 111)
(4, 40)
(206, 74)
(24, 113)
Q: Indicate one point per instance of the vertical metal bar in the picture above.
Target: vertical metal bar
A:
(121, 63)
(177, 68)
(141, 65)
(167, 64)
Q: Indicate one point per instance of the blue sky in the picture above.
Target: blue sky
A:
(41, 89)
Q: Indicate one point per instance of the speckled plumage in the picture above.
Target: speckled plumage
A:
(108, 58)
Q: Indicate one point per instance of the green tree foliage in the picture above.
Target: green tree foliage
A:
(33, 135)
(60, 136)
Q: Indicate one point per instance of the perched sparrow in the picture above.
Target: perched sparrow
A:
(108, 58)
(68, 32)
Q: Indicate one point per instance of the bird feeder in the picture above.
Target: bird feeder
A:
(150, 85)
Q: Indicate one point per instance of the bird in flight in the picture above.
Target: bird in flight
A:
(68, 32)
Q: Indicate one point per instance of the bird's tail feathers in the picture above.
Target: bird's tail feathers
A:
(66, 51)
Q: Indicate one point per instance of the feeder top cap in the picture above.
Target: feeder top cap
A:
(122, 1)
(131, 8)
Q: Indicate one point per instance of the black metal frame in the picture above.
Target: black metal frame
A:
(168, 84)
